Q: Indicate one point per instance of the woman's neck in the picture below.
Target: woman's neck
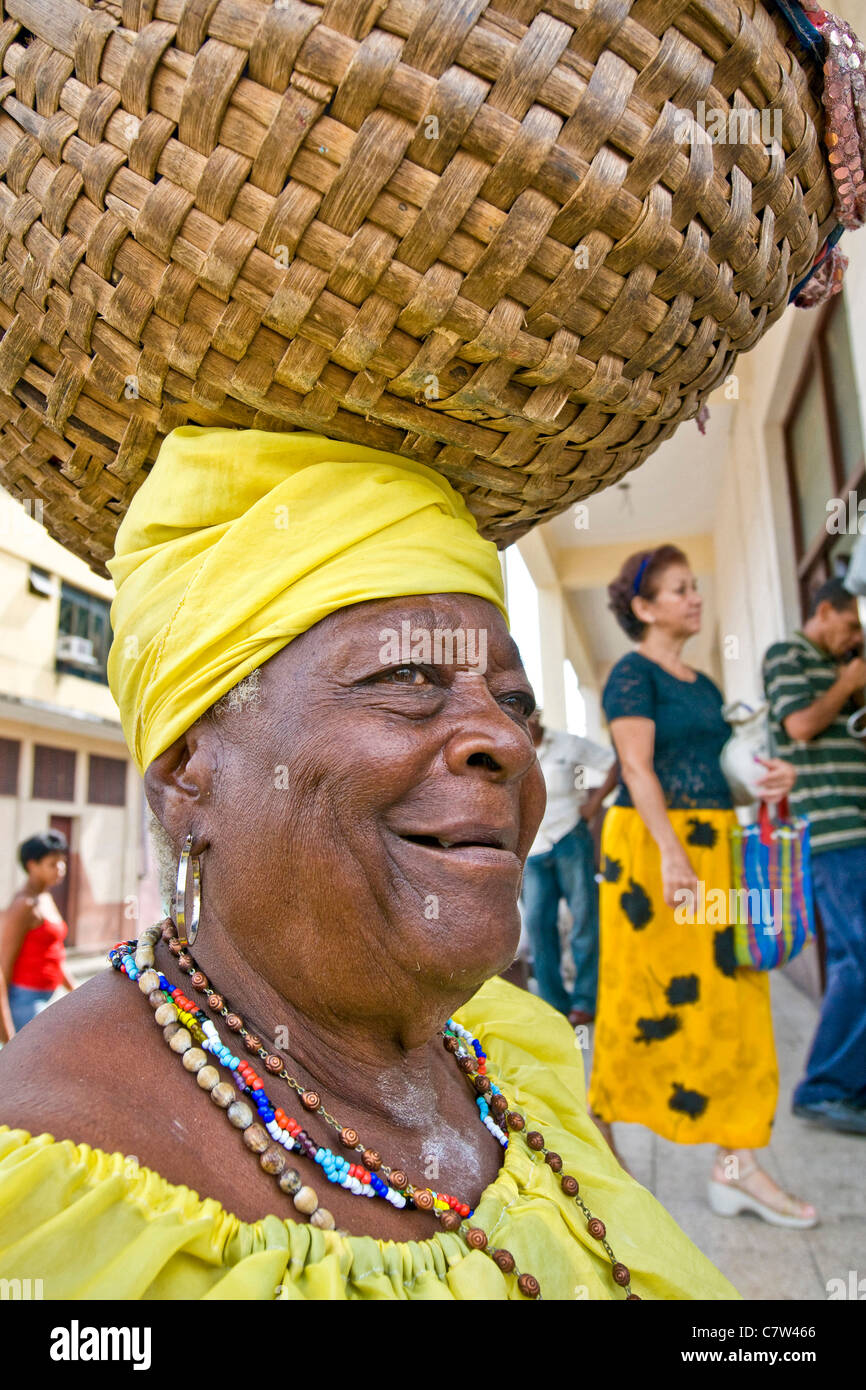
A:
(665, 648)
(364, 1063)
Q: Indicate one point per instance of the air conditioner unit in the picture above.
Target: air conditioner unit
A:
(77, 651)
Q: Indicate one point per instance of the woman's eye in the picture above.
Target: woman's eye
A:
(521, 701)
(405, 675)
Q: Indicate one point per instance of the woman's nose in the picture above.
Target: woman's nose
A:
(487, 739)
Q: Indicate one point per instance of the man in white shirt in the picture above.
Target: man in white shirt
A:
(561, 865)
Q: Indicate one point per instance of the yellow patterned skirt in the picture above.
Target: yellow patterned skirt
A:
(683, 1036)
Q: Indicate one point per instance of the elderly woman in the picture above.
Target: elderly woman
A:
(257, 1101)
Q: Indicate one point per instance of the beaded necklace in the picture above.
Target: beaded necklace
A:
(192, 1035)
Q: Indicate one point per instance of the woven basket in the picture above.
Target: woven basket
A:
(471, 233)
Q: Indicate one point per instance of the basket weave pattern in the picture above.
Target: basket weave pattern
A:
(461, 231)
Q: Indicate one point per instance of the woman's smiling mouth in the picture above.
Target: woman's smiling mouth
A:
(478, 845)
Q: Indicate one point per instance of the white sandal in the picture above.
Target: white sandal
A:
(730, 1199)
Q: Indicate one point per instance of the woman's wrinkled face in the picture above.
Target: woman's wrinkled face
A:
(385, 786)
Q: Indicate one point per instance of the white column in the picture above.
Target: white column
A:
(592, 700)
(551, 619)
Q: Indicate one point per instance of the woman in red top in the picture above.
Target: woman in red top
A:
(32, 932)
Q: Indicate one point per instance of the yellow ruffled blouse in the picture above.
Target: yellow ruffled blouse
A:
(93, 1225)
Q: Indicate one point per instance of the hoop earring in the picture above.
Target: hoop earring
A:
(180, 893)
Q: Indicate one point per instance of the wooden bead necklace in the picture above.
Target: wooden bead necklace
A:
(453, 1035)
(185, 1023)
(216, 1003)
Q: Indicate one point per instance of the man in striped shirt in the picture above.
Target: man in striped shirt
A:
(813, 685)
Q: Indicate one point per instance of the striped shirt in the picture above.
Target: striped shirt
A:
(831, 768)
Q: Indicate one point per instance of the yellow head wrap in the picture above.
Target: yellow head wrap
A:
(240, 540)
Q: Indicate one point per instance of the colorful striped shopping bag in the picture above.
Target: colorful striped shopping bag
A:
(772, 873)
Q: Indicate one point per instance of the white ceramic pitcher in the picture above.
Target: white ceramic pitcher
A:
(750, 740)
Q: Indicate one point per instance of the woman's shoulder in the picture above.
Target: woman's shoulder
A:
(24, 908)
(630, 688)
(90, 1072)
(632, 661)
(59, 1073)
(631, 666)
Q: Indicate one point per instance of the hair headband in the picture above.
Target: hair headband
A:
(641, 571)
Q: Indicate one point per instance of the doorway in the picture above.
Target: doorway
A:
(65, 894)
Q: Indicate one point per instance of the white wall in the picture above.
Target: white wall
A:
(28, 622)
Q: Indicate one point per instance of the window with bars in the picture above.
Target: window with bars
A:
(825, 453)
(106, 781)
(83, 635)
(10, 759)
(53, 773)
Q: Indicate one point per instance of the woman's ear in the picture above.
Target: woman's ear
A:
(642, 609)
(178, 782)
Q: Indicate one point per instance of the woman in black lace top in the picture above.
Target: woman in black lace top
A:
(684, 1037)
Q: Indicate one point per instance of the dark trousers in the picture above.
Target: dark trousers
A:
(25, 1003)
(566, 871)
(836, 1069)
